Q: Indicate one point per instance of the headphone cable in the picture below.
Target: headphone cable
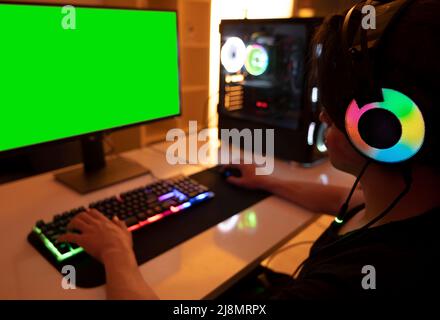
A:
(344, 208)
(407, 177)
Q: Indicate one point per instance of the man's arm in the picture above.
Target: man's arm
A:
(312, 196)
(124, 280)
(110, 242)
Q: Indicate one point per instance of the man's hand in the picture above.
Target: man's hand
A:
(248, 177)
(100, 237)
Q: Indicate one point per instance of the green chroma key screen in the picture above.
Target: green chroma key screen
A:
(115, 68)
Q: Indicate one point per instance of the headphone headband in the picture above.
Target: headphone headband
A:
(361, 45)
(387, 12)
(383, 124)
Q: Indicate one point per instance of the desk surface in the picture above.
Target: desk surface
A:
(201, 267)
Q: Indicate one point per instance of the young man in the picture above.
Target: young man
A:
(401, 246)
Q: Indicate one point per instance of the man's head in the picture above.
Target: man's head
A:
(407, 60)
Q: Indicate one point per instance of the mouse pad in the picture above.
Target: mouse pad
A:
(155, 239)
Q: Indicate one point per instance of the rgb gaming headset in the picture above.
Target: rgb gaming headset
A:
(383, 124)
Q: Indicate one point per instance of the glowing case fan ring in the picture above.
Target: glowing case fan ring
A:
(233, 54)
(257, 59)
(409, 116)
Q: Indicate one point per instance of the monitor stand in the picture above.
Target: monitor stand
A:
(97, 173)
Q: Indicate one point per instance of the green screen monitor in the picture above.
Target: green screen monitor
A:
(70, 72)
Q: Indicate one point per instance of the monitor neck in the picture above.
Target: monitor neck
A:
(93, 152)
(97, 173)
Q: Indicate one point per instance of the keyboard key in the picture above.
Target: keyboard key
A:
(63, 247)
(109, 215)
(54, 238)
(40, 224)
(50, 233)
(131, 221)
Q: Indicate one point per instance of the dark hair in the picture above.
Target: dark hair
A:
(408, 60)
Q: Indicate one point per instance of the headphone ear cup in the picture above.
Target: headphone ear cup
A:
(380, 128)
(389, 131)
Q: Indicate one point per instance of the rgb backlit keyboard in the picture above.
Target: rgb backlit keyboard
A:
(137, 208)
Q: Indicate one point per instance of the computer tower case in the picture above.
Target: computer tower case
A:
(264, 84)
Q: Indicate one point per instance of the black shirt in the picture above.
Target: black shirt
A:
(404, 256)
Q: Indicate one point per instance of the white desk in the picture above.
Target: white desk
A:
(201, 267)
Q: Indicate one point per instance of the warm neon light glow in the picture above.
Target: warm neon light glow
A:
(155, 218)
(234, 78)
(174, 209)
(165, 213)
(306, 12)
(134, 227)
(257, 60)
(411, 120)
(148, 221)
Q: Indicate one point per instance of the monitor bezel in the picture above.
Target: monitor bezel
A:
(29, 148)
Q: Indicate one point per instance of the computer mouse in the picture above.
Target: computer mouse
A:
(235, 172)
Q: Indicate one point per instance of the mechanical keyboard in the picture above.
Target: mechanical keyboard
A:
(138, 208)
